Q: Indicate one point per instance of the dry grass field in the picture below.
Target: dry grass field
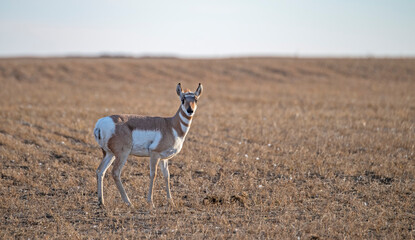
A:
(280, 148)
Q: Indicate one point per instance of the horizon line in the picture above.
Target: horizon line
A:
(205, 56)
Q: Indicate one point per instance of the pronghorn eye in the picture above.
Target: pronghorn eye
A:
(182, 100)
(195, 100)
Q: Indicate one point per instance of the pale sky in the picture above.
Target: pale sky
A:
(209, 28)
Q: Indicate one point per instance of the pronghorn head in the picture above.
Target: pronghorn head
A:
(189, 99)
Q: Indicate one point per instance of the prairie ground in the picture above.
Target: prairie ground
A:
(281, 148)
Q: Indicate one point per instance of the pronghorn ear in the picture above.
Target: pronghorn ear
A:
(199, 90)
(179, 90)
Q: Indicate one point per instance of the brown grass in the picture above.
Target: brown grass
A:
(286, 148)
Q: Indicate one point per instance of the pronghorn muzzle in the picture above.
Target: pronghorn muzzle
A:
(191, 107)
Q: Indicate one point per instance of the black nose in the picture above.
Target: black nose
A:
(189, 110)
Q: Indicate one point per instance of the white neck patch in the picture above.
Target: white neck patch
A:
(175, 133)
(184, 119)
(184, 128)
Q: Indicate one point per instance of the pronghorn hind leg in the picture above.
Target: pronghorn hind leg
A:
(103, 166)
(119, 163)
(154, 159)
(164, 166)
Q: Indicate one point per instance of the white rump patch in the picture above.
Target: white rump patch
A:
(104, 129)
(145, 140)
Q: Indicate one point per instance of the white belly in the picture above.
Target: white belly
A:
(144, 141)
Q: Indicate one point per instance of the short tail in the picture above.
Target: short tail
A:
(97, 134)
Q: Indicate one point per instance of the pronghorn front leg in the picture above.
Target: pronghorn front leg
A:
(154, 159)
(164, 166)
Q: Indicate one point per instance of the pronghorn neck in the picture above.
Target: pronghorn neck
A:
(182, 122)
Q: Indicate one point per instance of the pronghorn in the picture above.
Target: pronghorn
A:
(158, 138)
